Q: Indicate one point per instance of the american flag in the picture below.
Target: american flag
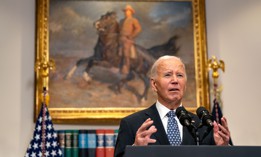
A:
(45, 140)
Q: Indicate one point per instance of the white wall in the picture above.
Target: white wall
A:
(234, 35)
(233, 31)
(17, 59)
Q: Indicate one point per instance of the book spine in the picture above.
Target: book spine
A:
(91, 143)
(109, 143)
(83, 143)
(75, 145)
(68, 143)
(61, 140)
(116, 131)
(100, 149)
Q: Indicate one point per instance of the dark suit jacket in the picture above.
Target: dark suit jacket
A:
(130, 124)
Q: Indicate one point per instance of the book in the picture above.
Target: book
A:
(91, 137)
(68, 143)
(75, 145)
(83, 143)
(87, 143)
(61, 140)
(116, 131)
(100, 149)
(109, 143)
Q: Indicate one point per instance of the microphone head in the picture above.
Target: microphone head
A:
(180, 110)
(200, 111)
(183, 116)
(205, 117)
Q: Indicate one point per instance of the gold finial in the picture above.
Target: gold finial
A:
(214, 64)
(42, 67)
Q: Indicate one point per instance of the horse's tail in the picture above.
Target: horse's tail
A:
(145, 54)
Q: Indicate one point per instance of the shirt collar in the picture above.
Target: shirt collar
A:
(163, 110)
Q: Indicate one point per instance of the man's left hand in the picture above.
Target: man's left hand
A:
(221, 132)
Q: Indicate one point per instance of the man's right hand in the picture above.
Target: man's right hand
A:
(143, 134)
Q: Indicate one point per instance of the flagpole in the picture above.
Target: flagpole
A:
(215, 65)
(43, 121)
(42, 66)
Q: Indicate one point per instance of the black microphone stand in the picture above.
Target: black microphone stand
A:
(194, 131)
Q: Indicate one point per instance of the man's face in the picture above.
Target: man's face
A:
(128, 13)
(170, 81)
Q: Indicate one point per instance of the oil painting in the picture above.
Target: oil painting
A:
(98, 77)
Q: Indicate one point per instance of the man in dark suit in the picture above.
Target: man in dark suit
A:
(150, 126)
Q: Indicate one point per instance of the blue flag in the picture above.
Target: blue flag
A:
(45, 140)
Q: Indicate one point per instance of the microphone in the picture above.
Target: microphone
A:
(186, 120)
(183, 116)
(205, 117)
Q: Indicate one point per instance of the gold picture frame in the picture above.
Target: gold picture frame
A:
(69, 113)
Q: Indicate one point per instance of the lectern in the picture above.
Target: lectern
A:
(192, 151)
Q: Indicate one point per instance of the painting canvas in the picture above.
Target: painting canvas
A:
(167, 28)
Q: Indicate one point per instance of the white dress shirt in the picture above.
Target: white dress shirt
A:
(163, 116)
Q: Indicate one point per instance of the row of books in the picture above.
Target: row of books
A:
(87, 143)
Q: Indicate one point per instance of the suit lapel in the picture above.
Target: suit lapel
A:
(188, 139)
(160, 135)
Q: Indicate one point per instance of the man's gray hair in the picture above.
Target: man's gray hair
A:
(153, 71)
